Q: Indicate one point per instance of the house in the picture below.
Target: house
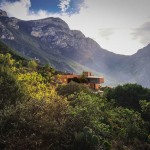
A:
(87, 78)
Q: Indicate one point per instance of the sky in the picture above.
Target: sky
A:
(120, 26)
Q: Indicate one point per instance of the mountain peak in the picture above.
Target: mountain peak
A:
(3, 13)
(51, 21)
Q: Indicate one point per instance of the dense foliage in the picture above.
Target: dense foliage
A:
(38, 113)
(128, 95)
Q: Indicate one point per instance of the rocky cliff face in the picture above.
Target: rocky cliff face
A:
(5, 23)
(52, 41)
(5, 33)
(3, 13)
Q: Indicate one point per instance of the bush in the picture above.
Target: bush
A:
(35, 124)
(86, 140)
(128, 95)
(11, 91)
(72, 88)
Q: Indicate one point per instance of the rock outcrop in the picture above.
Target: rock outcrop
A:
(3, 13)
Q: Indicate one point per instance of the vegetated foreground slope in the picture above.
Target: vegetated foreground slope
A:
(38, 113)
(52, 41)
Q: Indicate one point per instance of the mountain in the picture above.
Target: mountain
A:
(137, 67)
(14, 54)
(51, 41)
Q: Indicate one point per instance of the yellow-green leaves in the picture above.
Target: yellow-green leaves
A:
(6, 59)
(32, 64)
(36, 86)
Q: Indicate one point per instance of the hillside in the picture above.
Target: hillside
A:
(51, 41)
(5, 49)
(38, 113)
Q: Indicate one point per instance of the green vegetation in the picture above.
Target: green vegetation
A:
(82, 79)
(128, 95)
(37, 113)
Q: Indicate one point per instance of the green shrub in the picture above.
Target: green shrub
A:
(72, 88)
(128, 95)
(11, 90)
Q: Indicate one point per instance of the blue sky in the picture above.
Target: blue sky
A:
(120, 26)
(51, 5)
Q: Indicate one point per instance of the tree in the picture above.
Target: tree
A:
(145, 109)
(72, 88)
(86, 140)
(128, 95)
(6, 60)
(35, 124)
(32, 64)
(11, 91)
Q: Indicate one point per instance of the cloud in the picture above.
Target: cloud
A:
(21, 10)
(64, 5)
(106, 32)
(19, 7)
(143, 33)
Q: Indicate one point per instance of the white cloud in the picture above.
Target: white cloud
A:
(143, 33)
(106, 32)
(20, 10)
(64, 5)
(95, 19)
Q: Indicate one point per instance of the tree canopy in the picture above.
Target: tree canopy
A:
(38, 113)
